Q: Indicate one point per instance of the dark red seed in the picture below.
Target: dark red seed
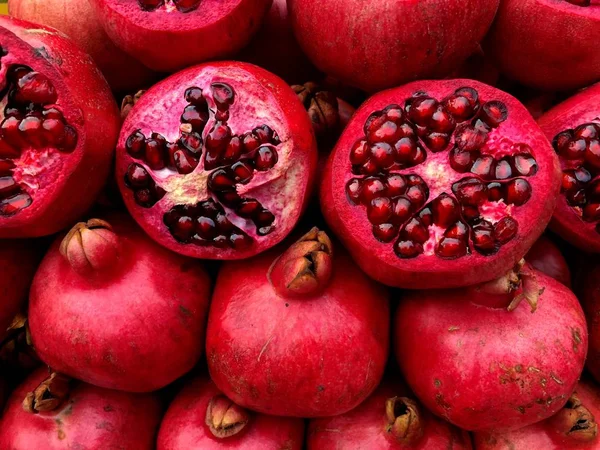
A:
(31, 127)
(233, 150)
(470, 213)
(379, 210)
(155, 154)
(265, 159)
(484, 166)
(136, 143)
(426, 216)
(372, 187)
(505, 229)
(385, 232)
(7, 151)
(590, 212)
(442, 121)
(193, 95)
(483, 238)
(569, 181)
(469, 139)
(525, 165)
(224, 226)
(446, 210)
(582, 175)
(457, 231)
(518, 192)
(183, 162)
(220, 180)
(451, 248)
(406, 148)
(195, 116)
(15, 204)
(263, 218)
(53, 113)
(587, 131)
(242, 172)
(229, 198)
(415, 231)
(221, 241)
(494, 113)
(459, 106)
(417, 158)
(8, 186)
(353, 190)
(360, 153)
(183, 229)
(422, 110)
(218, 137)
(206, 228)
(137, 176)
(495, 192)
(592, 153)
(396, 185)
(395, 113)
(437, 142)
(192, 142)
(12, 112)
(406, 130)
(372, 125)
(417, 195)
(264, 134)
(35, 88)
(223, 94)
(402, 210)
(144, 198)
(407, 249)
(576, 197)
(54, 131)
(469, 93)
(382, 154)
(248, 208)
(369, 168)
(561, 141)
(470, 191)
(574, 149)
(240, 241)
(461, 161)
(503, 169)
(593, 191)
(150, 5)
(250, 142)
(185, 6)
(388, 132)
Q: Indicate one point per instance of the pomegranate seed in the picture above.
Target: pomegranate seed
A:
(495, 192)
(494, 113)
(387, 132)
(518, 192)
(239, 241)
(417, 195)
(265, 135)
(505, 229)
(144, 198)
(6, 165)
(150, 5)
(574, 149)
(248, 208)
(31, 127)
(470, 213)
(408, 249)
(437, 142)
(396, 185)
(250, 142)
(484, 166)
(417, 158)
(458, 231)
(137, 176)
(383, 155)
(223, 223)
(576, 197)
(242, 172)
(265, 159)
(569, 181)
(459, 106)
(369, 168)
(183, 163)
(481, 126)
(8, 186)
(470, 191)
(445, 210)
(406, 148)
(470, 94)
(525, 165)
(451, 248)
(183, 229)
(136, 143)
(426, 216)
(234, 150)
(7, 151)
(582, 175)
(353, 190)
(503, 169)
(219, 180)
(13, 205)
(416, 231)
(229, 198)
(15, 73)
(192, 142)
(593, 190)
(218, 137)
(461, 161)
(469, 139)
(587, 131)
(372, 125)
(422, 110)
(54, 131)
(561, 141)
(52, 113)
(35, 88)
(223, 94)
(221, 241)
(360, 153)
(194, 116)
(406, 130)
(12, 112)
(206, 228)
(11, 133)
(590, 212)
(442, 121)
(592, 153)
(395, 113)
(483, 238)
(155, 154)
(385, 232)
(379, 210)
(193, 95)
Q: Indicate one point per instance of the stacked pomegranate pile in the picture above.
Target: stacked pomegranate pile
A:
(311, 224)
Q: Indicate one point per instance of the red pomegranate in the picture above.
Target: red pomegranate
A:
(58, 130)
(202, 418)
(169, 35)
(217, 161)
(390, 42)
(79, 21)
(110, 307)
(546, 257)
(440, 184)
(547, 44)
(388, 420)
(484, 360)
(588, 284)
(54, 413)
(573, 126)
(573, 427)
(304, 334)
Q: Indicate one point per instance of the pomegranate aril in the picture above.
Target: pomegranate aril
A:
(248, 208)
(229, 198)
(11, 134)
(576, 197)
(415, 231)
(218, 137)
(518, 191)
(470, 213)
(220, 180)
(265, 135)
(396, 185)
(505, 229)
(525, 165)
(193, 95)
(8, 186)
(395, 113)
(484, 166)
(470, 191)
(54, 131)
(136, 144)
(484, 239)
(233, 151)
(422, 110)
(379, 210)
(593, 190)
(35, 88)
(582, 175)
(69, 143)
(183, 229)
(495, 192)
(494, 113)
(481, 126)
(223, 224)
(137, 176)
(587, 131)
(405, 149)
(372, 125)
(14, 204)
(194, 116)
(265, 159)
(249, 142)
(417, 195)
(503, 169)
(360, 153)
(590, 212)
(240, 241)
(206, 228)
(184, 163)
(154, 154)
(354, 189)
(461, 161)
(442, 121)
(469, 139)
(426, 216)
(385, 232)
(459, 106)
(383, 155)
(561, 140)
(192, 142)
(16, 72)
(144, 198)
(369, 168)
(445, 210)
(31, 128)
(574, 149)
(592, 153)
(7, 151)
(437, 142)
(469, 93)
(210, 208)
(451, 248)
(242, 172)
(407, 249)
(457, 231)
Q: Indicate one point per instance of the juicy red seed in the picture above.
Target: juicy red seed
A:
(582, 175)
(459, 106)
(8, 186)
(388, 132)
(35, 88)
(405, 149)
(470, 213)
(494, 113)
(569, 181)
(422, 110)
(155, 154)
(242, 172)
(406, 130)
(54, 130)
(408, 249)
(395, 113)
(505, 229)
(137, 176)
(593, 190)
(445, 210)
(484, 239)
(250, 142)
(14, 204)
(587, 131)
(481, 126)
(503, 169)
(576, 197)
(416, 231)
(426, 216)
(219, 180)
(248, 208)
(229, 198)
(223, 224)
(417, 195)
(470, 94)
(591, 212)
(7, 151)
(525, 165)
(206, 227)
(382, 154)
(592, 153)
(451, 248)
(458, 231)
(183, 229)
(495, 192)
(461, 161)
(69, 143)
(223, 94)
(468, 138)
(13, 112)
(353, 190)
(15, 73)
(369, 168)
(218, 137)
(150, 5)
(6, 165)
(192, 142)
(372, 125)
(379, 210)
(193, 95)
(360, 153)
(220, 241)
(233, 150)
(396, 185)
(561, 140)
(136, 143)
(437, 141)
(265, 159)
(441, 121)
(484, 166)
(265, 135)
(185, 6)
(418, 157)
(264, 217)
(196, 117)
(574, 149)
(470, 191)
(402, 209)
(518, 192)
(385, 232)
(183, 163)
(53, 113)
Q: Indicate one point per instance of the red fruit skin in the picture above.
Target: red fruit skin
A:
(91, 417)
(546, 44)
(365, 427)
(515, 368)
(546, 257)
(18, 263)
(544, 435)
(589, 294)
(170, 41)
(302, 357)
(390, 42)
(377, 259)
(184, 426)
(275, 48)
(583, 107)
(137, 327)
(87, 104)
(78, 21)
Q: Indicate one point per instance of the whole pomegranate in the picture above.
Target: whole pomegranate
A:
(304, 334)
(440, 184)
(388, 420)
(588, 283)
(217, 161)
(546, 257)
(78, 20)
(18, 261)
(112, 308)
(168, 35)
(483, 359)
(575, 426)
(202, 418)
(51, 412)
(573, 126)
(390, 42)
(57, 133)
(547, 44)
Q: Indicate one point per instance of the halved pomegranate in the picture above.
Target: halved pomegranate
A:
(573, 126)
(440, 184)
(168, 35)
(217, 160)
(59, 125)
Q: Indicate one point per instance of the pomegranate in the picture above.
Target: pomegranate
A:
(169, 35)
(390, 42)
(274, 47)
(306, 336)
(216, 161)
(440, 184)
(79, 21)
(110, 307)
(573, 126)
(55, 413)
(483, 359)
(58, 130)
(547, 44)
(588, 283)
(573, 427)
(202, 418)
(546, 257)
(388, 419)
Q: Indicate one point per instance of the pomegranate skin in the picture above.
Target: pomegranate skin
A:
(312, 356)
(515, 368)
(78, 21)
(403, 46)
(366, 427)
(87, 104)
(547, 44)
(546, 257)
(589, 294)
(184, 425)
(567, 221)
(549, 434)
(167, 40)
(139, 324)
(91, 417)
(428, 271)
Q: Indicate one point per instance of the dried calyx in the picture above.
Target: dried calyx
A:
(403, 420)
(224, 418)
(322, 107)
(575, 421)
(48, 395)
(16, 349)
(128, 102)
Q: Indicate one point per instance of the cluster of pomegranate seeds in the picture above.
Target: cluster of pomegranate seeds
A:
(183, 6)
(579, 150)
(464, 218)
(30, 122)
(231, 159)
